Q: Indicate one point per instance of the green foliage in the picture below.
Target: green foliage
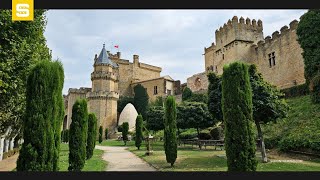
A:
(197, 97)
(217, 133)
(155, 118)
(123, 101)
(170, 130)
(92, 134)
(66, 135)
(106, 133)
(120, 128)
(237, 111)
(22, 45)
(43, 118)
(193, 115)
(186, 94)
(205, 134)
(308, 37)
(100, 134)
(157, 102)
(139, 135)
(299, 131)
(189, 134)
(214, 96)
(125, 129)
(78, 135)
(141, 100)
(315, 89)
(267, 100)
(295, 91)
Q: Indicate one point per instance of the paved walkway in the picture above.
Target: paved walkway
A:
(9, 163)
(120, 159)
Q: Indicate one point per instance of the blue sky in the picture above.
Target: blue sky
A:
(171, 39)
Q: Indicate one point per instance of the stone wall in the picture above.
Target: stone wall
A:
(198, 82)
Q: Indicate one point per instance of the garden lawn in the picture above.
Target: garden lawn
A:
(96, 163)
(193, 159)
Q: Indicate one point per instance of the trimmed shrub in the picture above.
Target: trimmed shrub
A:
(240, 143)
(125, 129)
(217, 133)
(139, 136)
(205, 135)
(186, 94)
(170, 130)
(92, 134)
(100, 134)
(78, 135)
(141, 100)
(155, 118)
(120, 128)
(188, 135)
(66, 136)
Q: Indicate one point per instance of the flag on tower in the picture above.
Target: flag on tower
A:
(116, 46)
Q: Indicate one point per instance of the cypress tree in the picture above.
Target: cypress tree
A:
(125, 129)
(138, 139)
(78, 135)
(40, 150)
(170, 130)
(92, 134)
(100, 134)
(237, 114)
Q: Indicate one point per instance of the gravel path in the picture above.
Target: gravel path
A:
(120, 159)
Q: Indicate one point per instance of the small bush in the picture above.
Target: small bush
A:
(189, 134)
(295, 91)
(205, 135)
(217, 133)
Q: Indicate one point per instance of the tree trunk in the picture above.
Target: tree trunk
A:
(261, 142)
(199, 137)
(172, 164)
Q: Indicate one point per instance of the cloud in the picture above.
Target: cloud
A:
(171, 39)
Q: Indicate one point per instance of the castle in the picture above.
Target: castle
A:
(278, 58)
(111, 78)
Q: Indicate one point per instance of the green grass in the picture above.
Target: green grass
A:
(193, 159)
(96, 163)
(302, 125)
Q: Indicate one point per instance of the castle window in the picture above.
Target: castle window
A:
(168, 92)
(272, 59)
(222, 56)
(155, 90)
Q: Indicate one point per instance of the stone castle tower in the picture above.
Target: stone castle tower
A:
(102, 99)
(278, 57)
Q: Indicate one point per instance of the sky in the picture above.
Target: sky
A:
(171, 39)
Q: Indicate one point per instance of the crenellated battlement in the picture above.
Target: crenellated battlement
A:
(81, 90)
(277, 35)
(239, 29)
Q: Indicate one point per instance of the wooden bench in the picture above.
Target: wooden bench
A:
(215, 143)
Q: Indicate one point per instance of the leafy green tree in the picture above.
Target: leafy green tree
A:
(214, 96)
(23, 44)
(158, 101)
(43, 118)
(194, 115)
(139, 135)
(268, 104)
(141, 100)
(237, 111)
(170, 130)
(78, 135)
(100, 134)
(186, 94)
(197, 97)
(123, 101)
(92, 134)
(125, 130)
(155, 116)
(308, 37)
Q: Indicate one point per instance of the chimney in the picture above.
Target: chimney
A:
(119, 54)
(135, 59)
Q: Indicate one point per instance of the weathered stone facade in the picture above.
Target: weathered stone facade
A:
(278, 58)
(114, 77)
